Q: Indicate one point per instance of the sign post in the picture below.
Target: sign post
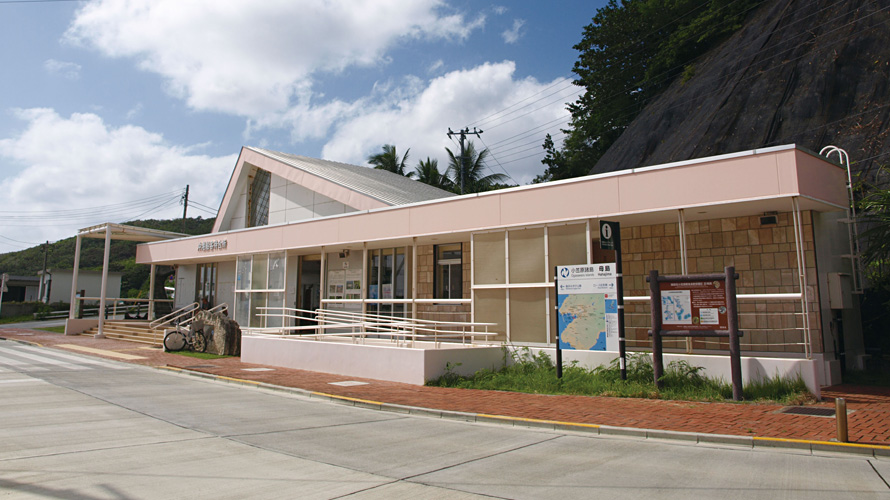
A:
(610, 239)
(586, 309)
(701, 305)
(3, 279)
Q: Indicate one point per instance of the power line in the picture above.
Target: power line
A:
(669, 73)
(19, 241)
(496, 161)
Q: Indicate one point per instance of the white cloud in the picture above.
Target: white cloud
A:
(253, 59)
(419, 119)
(499, 10)
(436, 66)
(64, 69)
(513, 34)
(80, 162)
(135, 111)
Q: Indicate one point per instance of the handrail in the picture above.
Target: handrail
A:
(397, 328)
(175, 315)
(220, 308)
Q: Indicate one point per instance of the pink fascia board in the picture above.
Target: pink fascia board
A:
(455, 214)
(723, 181)
(585, 198)
(821, 180)
(775, 174)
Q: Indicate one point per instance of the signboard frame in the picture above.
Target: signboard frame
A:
(698, 282)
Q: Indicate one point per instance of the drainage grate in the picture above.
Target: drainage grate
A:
(194, 367)
(809, 411)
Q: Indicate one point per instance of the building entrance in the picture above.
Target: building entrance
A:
(309, 286)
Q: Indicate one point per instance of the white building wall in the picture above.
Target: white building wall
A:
(239, 214)
(289, 202)
(89, 281)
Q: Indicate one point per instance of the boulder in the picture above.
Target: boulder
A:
(222, 334)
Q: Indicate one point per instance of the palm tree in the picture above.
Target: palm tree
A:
(428, 173)
(389, 160)
(474, 180)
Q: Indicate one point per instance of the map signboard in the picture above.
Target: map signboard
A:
(699, 305)
(587, 307)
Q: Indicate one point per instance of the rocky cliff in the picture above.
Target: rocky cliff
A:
(807, 72)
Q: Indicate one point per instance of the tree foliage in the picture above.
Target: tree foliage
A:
(474, 178)
(389, 160)
(629, 54)
(122, 258)
(427, 172)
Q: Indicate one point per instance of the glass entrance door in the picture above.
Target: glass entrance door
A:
(309, 286)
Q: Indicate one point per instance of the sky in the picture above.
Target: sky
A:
(109, 108)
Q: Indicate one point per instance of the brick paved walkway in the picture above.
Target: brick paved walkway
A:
(869, 407)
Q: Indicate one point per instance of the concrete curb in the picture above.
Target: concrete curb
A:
(803, 446)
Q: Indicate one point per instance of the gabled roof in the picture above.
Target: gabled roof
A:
(390, 188)
(362, 188)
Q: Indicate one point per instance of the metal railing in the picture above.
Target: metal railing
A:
(116, 306)
(773, 323)
(177, 317)
(359, 327)
(184, 316)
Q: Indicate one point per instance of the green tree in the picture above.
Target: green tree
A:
(474, 178)
(628, 55)
(874, 217)
(427, 172)
(389, 160)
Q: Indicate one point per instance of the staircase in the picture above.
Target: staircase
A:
(130, 330)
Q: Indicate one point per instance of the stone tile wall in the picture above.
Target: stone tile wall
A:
(763, 256)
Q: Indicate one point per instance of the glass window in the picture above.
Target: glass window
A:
(259, 272)
(242, 280)
(276, 271)
(205, 291)
(258, 209)
(260, 281)
(449, 272)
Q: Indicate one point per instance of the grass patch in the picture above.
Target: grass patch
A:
(16, 319)
(536, 374)
(200, 355)
(53, 329)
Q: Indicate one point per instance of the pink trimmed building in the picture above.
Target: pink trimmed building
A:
(304, 233)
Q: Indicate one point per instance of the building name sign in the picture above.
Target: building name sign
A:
(209, 246)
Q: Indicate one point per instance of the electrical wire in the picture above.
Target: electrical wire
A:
(493, 157)
(669, 73)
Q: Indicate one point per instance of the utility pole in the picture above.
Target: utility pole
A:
(185, 205)
(463, 157)
(42, 289)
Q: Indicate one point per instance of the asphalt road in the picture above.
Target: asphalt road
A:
(75, 427)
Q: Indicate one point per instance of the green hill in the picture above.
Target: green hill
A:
(60, 254)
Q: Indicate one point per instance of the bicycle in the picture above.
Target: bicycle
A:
(177, 340)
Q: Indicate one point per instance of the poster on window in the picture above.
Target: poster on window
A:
(353, 284)
(336, 284)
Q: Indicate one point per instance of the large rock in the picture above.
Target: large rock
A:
(808, 72)
(223, 334)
